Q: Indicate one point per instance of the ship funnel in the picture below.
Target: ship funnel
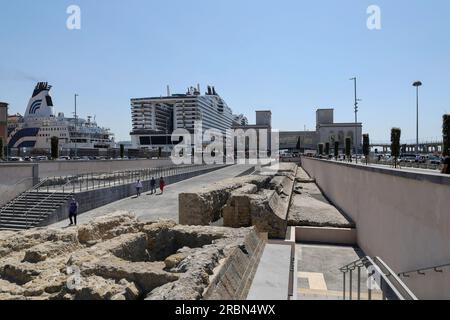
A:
(40, 104)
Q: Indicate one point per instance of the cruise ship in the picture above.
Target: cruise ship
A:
(155, 118)
(39, 124)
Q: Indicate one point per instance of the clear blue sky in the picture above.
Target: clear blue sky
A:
(288, 56)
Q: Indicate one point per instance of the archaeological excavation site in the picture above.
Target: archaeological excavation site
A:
(223, 247)
(118, 258)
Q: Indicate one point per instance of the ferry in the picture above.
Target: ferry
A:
(39, 124)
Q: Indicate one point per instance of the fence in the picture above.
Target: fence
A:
(92, 181)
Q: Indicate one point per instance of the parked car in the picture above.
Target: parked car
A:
(435, 160)
(408, 158)
(15, 159)
(42, 158)
(64, 158)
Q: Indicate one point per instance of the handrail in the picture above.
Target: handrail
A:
(389, 283)
(122, 176)
(43, 200)
(399, 286)
(22, 195)
(422, 271)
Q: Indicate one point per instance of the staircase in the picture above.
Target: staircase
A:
(30, 209)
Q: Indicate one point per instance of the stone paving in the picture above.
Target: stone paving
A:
(309, 207)
(152, 207)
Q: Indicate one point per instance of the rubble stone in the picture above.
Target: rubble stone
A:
(117, 257)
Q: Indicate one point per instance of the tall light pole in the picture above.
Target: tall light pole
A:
(417, 84)
(76, 125)
(356, 119)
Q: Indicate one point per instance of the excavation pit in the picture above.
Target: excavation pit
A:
(118, 257)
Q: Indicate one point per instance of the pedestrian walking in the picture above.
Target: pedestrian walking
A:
(161, 184)
(446, 168)
(73, 211)
(152, 185)
(138, 187)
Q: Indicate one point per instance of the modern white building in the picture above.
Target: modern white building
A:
(155, 118)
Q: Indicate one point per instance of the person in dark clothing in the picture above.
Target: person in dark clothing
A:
(153, 185)
(73, 211)
(446, 169)
(162, 184)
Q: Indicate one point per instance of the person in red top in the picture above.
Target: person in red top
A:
(161, 184)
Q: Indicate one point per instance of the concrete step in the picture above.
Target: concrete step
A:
(325, 235)
(13, 226)
(19, 215)
(23, 207)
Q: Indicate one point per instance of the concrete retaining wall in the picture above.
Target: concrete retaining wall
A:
(63, 168)
(15, 179)
(400, 216)
(89, 200)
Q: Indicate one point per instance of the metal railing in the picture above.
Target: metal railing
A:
(92, 181)
(400, 164)
(52, 186)
(381, 282)
(423, 271)
(46, 199)
(404, 164)
(21, 195)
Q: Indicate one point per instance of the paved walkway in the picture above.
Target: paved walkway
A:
(153, 207)
(319, 277)
(271, 280)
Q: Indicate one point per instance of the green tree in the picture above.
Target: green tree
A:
(395, 144)
(54, 144)
(320, 148)
(1, 149)
(446, 135)
(336, 149)
(348, 148)
(327, 148)
(366, 147)
(299, 144)
(122, 151)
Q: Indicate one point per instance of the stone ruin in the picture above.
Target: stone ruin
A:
(261, 201)
(117, 257)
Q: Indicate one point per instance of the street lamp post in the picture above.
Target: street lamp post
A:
(417, 84)
(76, 125)
(356, 119)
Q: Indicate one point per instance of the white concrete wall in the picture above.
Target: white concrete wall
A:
(402, 218)
(62, 168)
(15, 179)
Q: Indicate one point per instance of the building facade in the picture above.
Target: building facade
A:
(326, 131)
(155, 118)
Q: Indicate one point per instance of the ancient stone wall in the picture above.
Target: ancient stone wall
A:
(260, 201)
